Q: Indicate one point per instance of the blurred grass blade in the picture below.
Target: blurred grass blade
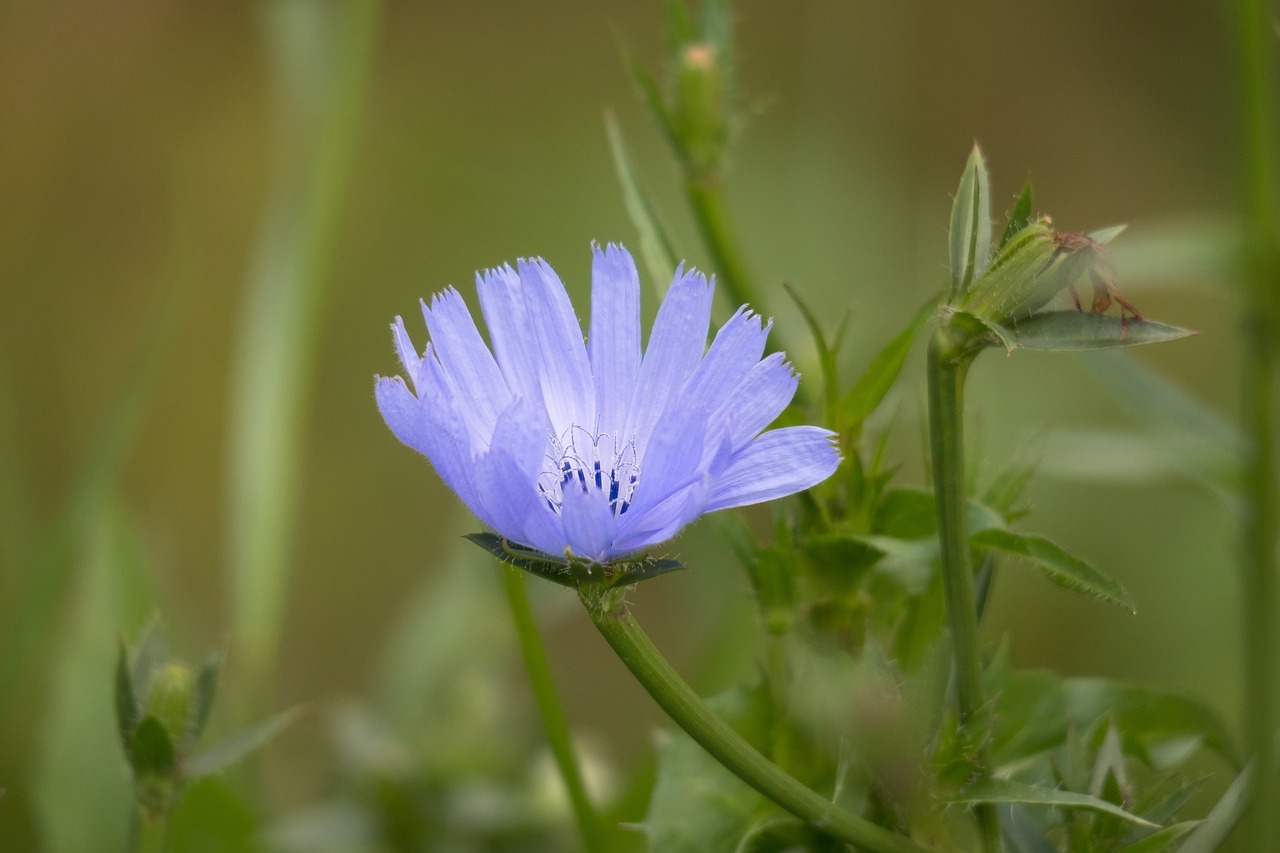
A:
(227, 752)
(1196, 439)
(1066, 331)
(1222, 818)
(656, 252)
(16, 518)
(40, 590)
(81, 794)
(321, 53)
(1009, 791)
(1062, 568)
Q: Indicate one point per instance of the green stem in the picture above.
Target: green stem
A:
(1256, 50)
(706, 194)
(553, 722)
(949, 358)
(611, 616)
(150, 832)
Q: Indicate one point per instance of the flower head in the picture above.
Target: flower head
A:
(588, 449)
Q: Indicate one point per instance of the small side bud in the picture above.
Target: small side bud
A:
(700, 114)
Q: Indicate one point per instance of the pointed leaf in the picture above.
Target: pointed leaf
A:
(1011, 791)
(1106, 235)
(1020, 217)
(970, 234)
(826, 352)
(227, 752)
(206, 689)
(1062, 568)
(1161, 838)
(535, 562)
(1084, 330)
(870, 389)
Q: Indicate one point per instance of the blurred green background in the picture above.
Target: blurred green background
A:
(144, 145)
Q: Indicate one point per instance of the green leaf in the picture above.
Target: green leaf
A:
(1011, 791)
(871, 387)
(1222, 818)
(1147, 717)
(1062, 568)
(229, 751)
(1021, 834)
(1070, 331)
(212, 817)
(206, 689)
(656, 252)
(826, 353)
(970, 233)
(1020, 217)
(127, 707)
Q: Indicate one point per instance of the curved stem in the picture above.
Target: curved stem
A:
(706, 194)
(611, 616)
(553, 722)
(949, 360)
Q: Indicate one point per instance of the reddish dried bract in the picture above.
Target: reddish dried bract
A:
(1081, 253)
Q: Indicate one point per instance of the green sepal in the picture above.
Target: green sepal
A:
(151, 750)
(126, 703)
(1009, 791)
(1070, 331)
(1062, 568)
(571, 571)
(151, 653)
(1020, 217)
(229, 751)
(970, 233)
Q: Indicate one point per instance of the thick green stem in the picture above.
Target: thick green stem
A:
(949, 358)
(683, 705)
(1256, 48)
(706, 194)
(150, 832)
(553, 722)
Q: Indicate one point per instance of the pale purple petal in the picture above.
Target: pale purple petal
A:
(434, 431)
(405, 350)
(675, 347)
(507, 476)
(614, 341)
(589, 524)
(778, 463)
(736, 349)
(757, 401)
(502, 302)
(670, 463)
(467, 364)
(568, 390)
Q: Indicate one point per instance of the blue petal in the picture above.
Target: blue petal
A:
(589, 523)
(434, 431)
(469, 368)
(507, 476)
(563, 368)
(761, 396)
(614, 340)
(676, 345)
(736, 349)
(671, 463)
(405, 350)
(777, 463)
(502, 302)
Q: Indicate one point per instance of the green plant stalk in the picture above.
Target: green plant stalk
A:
(706, 195)
(613, 619)
(590, 825)
(1256, 47)
(950, 355)
(281, 323)
(150, 833)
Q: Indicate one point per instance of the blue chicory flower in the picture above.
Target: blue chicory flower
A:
(586, 449)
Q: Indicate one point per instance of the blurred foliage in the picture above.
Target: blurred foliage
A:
(143, 149)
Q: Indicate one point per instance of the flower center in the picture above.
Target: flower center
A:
(582, 459)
